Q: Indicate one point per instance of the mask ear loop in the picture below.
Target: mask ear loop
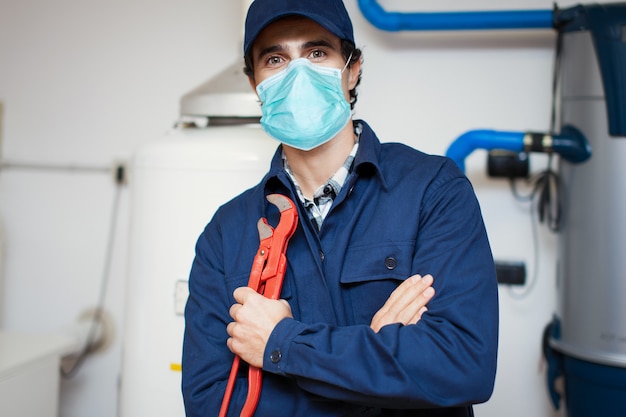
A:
(347, 63)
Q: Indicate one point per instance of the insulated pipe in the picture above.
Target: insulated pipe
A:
(570, 144)
(483, 139)
(514, 19)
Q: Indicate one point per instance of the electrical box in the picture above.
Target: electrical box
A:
(512, 273)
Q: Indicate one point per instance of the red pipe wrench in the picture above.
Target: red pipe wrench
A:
(266, 277)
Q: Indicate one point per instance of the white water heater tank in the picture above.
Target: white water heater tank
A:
(176, 185)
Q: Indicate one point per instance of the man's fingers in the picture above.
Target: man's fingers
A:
(412, 311)
(399, 291)
(406, 304)
(241, 294)
(407, 293)
(233, 310)
(230, 329)
(417, 316)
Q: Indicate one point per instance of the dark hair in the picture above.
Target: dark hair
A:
(347, 49)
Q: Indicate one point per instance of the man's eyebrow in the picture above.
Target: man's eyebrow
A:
(321, 42)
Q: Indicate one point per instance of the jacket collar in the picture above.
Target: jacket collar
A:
(366, 161)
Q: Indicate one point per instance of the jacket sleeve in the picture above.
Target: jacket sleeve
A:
(206, 362)
(447, 359)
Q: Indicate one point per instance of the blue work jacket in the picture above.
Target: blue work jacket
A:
(401, 213)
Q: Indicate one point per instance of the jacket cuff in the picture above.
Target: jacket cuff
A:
(276, 356)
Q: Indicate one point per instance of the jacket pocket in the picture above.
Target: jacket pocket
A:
(370, 273)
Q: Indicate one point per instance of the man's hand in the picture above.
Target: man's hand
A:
(406, 304)
(255, 317)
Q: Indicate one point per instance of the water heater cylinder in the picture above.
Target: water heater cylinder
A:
(592, 260)
(176, 184)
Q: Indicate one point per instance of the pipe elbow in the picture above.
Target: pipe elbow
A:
(572, 145)
(378, 17)
(468, 142)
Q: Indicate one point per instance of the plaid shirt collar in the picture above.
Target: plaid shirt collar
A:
(323, 197)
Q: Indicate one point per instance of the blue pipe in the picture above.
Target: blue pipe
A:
(483, 139)
(515, 19)
(570, 144)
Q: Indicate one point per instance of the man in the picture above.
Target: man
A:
(382, 228)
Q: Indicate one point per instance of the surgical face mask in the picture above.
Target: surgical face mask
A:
(303, 105)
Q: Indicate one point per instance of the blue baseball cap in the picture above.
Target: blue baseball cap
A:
(330, 14)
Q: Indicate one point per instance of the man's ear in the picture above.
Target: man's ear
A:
(355, 70)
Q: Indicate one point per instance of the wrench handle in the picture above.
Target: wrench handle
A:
(255, 381)
(274, 285)
(229, 386)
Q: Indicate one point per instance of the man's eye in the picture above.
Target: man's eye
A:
(317, 54)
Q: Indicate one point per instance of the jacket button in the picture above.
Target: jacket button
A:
(391, 263)
(276, 356)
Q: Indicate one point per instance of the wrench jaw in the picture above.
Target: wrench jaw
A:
(265, 230)
(281, 202)
(288, 219)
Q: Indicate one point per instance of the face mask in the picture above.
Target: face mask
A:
(303, 105)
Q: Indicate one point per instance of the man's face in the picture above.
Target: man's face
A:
(298, 37)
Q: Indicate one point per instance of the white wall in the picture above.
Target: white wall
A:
(86, 82)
